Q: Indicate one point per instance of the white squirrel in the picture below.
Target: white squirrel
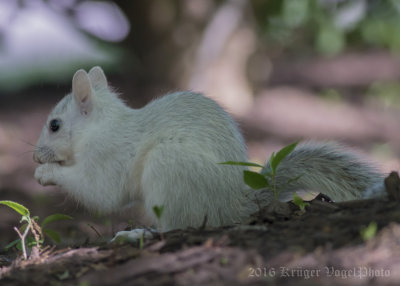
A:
(106, 154)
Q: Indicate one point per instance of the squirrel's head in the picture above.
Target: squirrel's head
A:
(69, 117)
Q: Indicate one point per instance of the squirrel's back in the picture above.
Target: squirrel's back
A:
(191, 115)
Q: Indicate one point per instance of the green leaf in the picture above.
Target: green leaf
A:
(52, 234)
(26, 218)
(223, 261)
(298, 201)
(292, 180)
(64, 275)
(17, 207)
(12, 243)
(141, 241)
(369, 232)
(19, 246)
(248, 164)
(31, 242)
(255, 180)
(267, 174)
(277, 158)
(54, 217)
(158, 210)
(272, 157)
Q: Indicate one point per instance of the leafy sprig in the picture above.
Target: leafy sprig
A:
(30, 226)
(266, 178)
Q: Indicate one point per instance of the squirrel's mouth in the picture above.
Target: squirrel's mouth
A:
(41, 160)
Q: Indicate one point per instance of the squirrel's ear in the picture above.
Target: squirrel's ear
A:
(98, 78)
(82, 91)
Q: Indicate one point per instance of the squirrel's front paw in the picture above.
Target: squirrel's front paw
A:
(133, 235)
(44, 174)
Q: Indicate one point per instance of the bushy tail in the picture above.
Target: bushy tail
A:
(329, 169)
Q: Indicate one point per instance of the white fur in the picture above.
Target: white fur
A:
(106, 155)
(134, 235)
(166, 153)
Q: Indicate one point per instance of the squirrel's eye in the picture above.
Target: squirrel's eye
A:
(55, 125)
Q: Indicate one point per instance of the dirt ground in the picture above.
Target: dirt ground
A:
(322, 245)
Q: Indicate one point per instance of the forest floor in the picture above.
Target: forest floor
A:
(326, 244)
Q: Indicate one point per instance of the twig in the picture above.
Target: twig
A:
(94, 229)
(204, 224)
(37, 232)
(22, 237)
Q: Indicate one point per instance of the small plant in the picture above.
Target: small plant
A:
(369, 232)
(30, 225)
(267, 177)
(298, 201)
(158, 211)
(141, 241)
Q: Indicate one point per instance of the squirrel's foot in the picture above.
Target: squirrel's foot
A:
(133, 235)
(44, 174)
